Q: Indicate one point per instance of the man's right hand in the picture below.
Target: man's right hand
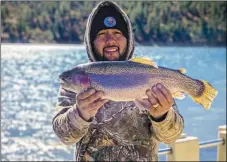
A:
(88, 102)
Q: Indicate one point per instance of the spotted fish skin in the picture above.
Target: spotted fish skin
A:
(129, 80)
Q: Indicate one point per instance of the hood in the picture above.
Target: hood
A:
(88, 43)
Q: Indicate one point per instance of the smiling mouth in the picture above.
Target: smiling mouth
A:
(111, 49)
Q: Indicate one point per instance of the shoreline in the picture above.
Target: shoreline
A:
(136, 44)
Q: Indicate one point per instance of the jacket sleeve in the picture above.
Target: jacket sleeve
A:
(171, 128)
(67, 124)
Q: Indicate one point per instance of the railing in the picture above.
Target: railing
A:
(187, 148)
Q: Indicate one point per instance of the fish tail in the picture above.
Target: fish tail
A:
(207, 95)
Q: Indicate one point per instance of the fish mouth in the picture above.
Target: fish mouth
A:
(64, 81)
(65, 78)
(66, 85)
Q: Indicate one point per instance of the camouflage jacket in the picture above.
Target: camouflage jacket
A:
(118, 132)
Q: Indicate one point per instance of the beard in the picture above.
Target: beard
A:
(121, 58)
(101, 57)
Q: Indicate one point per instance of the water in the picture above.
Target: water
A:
(29, 87)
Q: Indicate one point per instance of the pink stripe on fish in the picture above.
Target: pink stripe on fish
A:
(84, 80)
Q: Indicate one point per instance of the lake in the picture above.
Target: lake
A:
(29, 87)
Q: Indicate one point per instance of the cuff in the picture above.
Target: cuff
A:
(160, 119)
(169, 117)
(76, 120)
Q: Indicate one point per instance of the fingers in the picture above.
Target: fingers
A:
(85, 94)
(166, 93)
(90, 99)
(93, 108)
(87, 97)
(152, 98)
(143, 104)
(160, 97)
(163, 95)
(97, 104)
(88, 103)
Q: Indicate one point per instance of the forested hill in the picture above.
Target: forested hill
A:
(176, 22)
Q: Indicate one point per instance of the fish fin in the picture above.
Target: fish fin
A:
(182, 70)
(178, 95)
(144, 60)
(207, 96)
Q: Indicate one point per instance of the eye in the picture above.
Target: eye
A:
(118, 32)
(101, 33)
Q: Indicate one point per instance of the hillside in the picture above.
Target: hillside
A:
(177, 22)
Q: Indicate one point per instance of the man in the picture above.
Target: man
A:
(106, 130)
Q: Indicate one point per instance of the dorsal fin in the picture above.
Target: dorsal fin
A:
(144, 60)
(182, 70)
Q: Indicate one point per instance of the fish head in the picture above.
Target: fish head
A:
(74, 80)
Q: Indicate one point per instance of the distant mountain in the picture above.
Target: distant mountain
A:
(165, 23)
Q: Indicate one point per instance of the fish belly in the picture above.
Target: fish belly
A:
(121, 87)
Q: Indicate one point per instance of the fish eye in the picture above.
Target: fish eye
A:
(67, 77)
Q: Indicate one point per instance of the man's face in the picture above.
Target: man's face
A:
(110, 45)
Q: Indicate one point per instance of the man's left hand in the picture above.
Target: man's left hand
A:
(159, 101)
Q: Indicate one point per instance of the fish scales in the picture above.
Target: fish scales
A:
(131, 72)
(129, 80)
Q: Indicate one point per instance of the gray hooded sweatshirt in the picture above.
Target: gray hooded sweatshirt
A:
(118, 132)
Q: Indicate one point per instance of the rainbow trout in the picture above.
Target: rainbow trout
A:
(129, 80)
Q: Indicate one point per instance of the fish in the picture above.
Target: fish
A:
(129, 80)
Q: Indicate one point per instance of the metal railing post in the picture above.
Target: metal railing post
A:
(184, 149)
(221, 152)
(187, 148)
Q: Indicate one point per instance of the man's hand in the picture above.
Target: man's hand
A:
(88, 103)
(159, 101)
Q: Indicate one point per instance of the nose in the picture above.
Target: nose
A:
(109, 39)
